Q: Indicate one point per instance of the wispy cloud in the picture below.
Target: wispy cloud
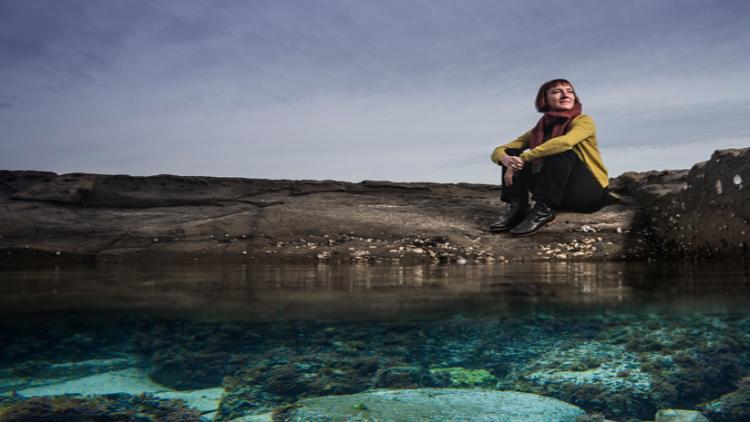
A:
(403, 90)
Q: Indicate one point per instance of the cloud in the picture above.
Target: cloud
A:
(339, 89)
(675, 125)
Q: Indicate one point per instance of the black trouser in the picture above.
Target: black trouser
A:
(563, 182)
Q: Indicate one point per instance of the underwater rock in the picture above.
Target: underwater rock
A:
(633, 365)
(186, 371)
(688, 374)
(624, 365)
(432, 404)
(188, 356)
(264, 417)
(34, 373)
(269, 383)
(679, 415)
(462, 377)
(594, 375)
(731, 407)
(401, 377)
(129, 381)
(265, 365)
(113, 407)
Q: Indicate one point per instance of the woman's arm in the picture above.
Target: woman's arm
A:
(581, 128)
(519, 143)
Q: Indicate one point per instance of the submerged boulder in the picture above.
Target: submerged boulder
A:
(400, 377)
(462, 377)
(433, 404)
(731, 407)
(679, 415)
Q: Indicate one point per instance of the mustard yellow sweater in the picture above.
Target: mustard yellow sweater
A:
(581, 138)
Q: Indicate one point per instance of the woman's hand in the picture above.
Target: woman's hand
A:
(508, 177)
(512, 162)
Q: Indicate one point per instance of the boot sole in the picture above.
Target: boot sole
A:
(539, 228)
(500, 230)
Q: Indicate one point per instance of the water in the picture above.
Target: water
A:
(621, 339)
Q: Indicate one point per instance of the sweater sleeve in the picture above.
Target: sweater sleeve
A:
(520, 143)
(581, 128)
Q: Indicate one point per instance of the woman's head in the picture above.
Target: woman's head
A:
(556, 95)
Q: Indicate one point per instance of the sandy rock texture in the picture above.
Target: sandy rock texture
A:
(44, 216)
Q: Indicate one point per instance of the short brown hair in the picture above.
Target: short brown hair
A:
(541, 96)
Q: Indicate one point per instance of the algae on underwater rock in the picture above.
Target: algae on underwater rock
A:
(462, 377)
(111, 407)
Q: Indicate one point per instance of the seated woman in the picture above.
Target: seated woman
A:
(557, 161)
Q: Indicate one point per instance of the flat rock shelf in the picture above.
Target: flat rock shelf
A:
(698, 213)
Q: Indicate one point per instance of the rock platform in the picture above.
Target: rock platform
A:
(698, 213)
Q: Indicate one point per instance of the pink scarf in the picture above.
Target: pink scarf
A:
(554, 123)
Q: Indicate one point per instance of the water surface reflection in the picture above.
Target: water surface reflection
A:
(373, 292)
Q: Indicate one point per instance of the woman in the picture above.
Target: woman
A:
(557, 161)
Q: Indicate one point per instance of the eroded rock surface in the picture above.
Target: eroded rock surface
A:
(696, 213)
(708, 212)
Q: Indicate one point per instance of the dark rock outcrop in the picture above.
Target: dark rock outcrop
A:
(699, 213)
(710, 216)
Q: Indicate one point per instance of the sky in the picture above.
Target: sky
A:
(401, 90)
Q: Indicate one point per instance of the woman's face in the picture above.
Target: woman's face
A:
(561, 97)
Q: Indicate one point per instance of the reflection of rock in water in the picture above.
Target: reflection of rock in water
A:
(317, 291)
(363, 291)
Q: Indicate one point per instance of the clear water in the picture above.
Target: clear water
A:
(621, 339)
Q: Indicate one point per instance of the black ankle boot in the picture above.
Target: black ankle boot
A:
(516, 213)
(541, 215)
